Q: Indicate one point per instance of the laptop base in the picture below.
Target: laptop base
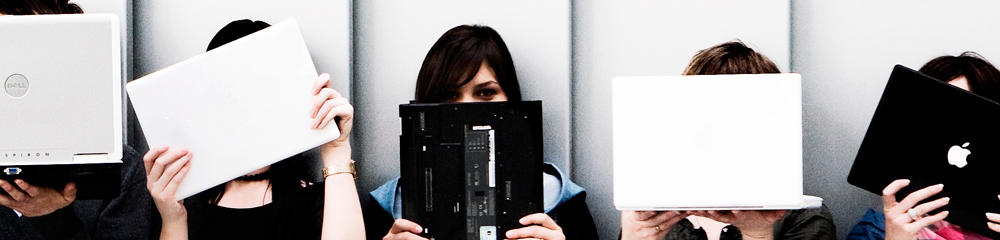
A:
(93, 180)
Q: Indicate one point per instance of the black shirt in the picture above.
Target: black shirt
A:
(296, 214)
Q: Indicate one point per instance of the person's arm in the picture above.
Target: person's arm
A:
(342, 218)
(575, 219)
(165, 168)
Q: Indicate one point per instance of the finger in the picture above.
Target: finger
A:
(170, 173)
(322, 81)
(643, 215)
(323, 115)
(320, 99)
(993, 226)
(889, 193)
(538, 232)
(69, 192)
(163, 162)
(540, 219)
(346, 115)
(403, 236)
(14, 193)
(915, 197)
(930, 206)
(6, 200)
(175, 182)
(924, 222)
(403, 225)
(151, 156)
(993, 217)
(29, 189)
(660, 219)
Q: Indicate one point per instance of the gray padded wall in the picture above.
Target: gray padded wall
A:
(845, 51)
(622, 38)
(172, 31)
(392, 39)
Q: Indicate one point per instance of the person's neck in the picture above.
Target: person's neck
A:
(246, 194)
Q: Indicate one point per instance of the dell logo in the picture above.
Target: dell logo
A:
(16, 85)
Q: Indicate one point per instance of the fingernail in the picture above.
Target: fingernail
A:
(939, 185)
(992, 215)
(946, 199)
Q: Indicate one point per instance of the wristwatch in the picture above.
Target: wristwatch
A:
(340, 168)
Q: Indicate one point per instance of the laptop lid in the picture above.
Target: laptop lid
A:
(707, 142)
(239, 107)
(931, 132)
(61, 99)
(471, 170)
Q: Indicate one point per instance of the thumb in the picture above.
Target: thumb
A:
(69, 193)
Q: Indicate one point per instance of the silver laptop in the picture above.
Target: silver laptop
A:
(239, 107)
(708, 142)
(60, 108)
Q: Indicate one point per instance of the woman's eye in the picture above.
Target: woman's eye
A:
(451, 96)
(487, 93)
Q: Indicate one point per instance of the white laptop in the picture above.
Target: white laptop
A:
(237, 108)
(708, 142)
(60, 107)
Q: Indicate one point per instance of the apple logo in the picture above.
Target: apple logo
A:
(957, 155)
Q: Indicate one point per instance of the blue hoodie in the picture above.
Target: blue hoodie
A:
(558, 189)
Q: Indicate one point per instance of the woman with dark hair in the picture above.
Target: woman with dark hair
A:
(472, 64)
(729, 58)
(273, 202)
(975, 74)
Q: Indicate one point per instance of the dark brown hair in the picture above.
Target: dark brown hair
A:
(455, 59)
(983, 77)
(729, 58)
(235, 30)
(33, 7)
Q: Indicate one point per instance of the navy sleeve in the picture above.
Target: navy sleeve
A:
(574, 218)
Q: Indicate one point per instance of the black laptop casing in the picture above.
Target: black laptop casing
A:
(917, 121)
(445, 167)
(93, 180)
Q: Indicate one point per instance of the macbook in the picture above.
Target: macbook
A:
(237, 108)
(708, 142)
(931, 132)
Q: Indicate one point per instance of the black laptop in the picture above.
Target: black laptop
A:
(470, 170)
(931, 132)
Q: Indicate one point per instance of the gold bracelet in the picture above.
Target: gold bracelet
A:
(340, 168)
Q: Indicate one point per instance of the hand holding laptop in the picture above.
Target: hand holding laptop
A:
(649, 224)
(903, 220)
(330, 106)
(34, 201)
